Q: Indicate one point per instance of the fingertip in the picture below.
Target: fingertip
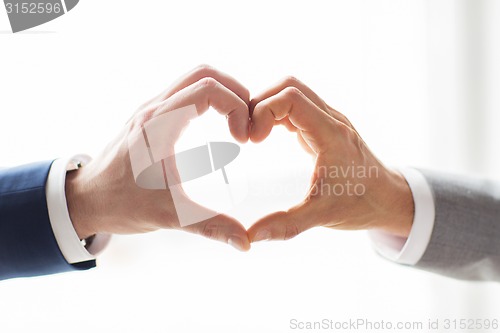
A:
(251, 232)
(255, 139)
(242, 140)
(258, 132)
(239, 238)
(239, 129)
(222, 228)
(240, 244)
(240, 137)
(244, 135)
(236, 234)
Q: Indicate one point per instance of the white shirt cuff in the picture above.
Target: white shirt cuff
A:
(410, 250)
(70, 245)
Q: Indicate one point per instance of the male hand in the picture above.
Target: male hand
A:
(350, 188)
(103, 196)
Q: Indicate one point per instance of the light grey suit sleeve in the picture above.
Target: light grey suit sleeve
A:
(465, 241)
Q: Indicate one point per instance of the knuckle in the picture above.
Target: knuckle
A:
(345, 120)
(353, 136)
(204, 70)
(292, 93)
(341, 117)
(291, 80)
(349, 135)
(343, 130)
(207, 83)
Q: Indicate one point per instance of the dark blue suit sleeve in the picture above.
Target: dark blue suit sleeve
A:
(27, 243)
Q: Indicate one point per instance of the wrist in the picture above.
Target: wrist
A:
(79, 207)
(400, 210)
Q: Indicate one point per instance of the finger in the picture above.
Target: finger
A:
(193, 76)
(204, 71)
(291, 81)
(288, 81)
(206, 93)
(224, 229)
(315, 126)
(283, 225)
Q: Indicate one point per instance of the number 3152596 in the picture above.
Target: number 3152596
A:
(33, 8)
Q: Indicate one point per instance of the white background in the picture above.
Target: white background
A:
(417, 79)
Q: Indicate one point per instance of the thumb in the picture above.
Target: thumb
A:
(222, 228)
(284, 225)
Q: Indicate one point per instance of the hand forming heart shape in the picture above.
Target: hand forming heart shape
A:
(350, 187)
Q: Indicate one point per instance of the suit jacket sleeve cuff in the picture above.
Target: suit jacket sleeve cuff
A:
(410, 250)
(73, 250)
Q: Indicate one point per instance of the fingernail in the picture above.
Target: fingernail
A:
(262, 235)
(236, 242)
